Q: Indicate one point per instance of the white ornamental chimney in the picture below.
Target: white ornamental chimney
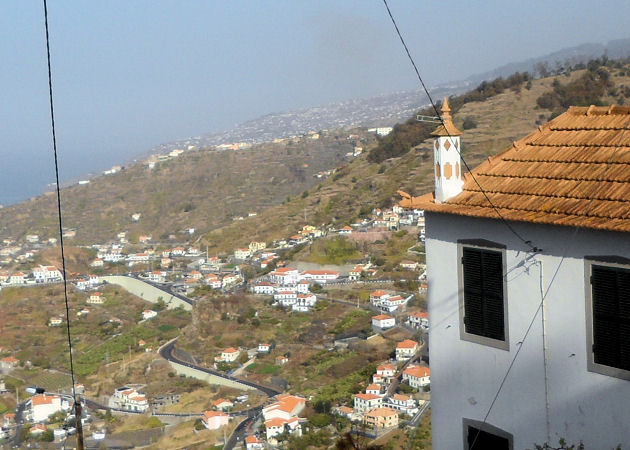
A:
(446, 148)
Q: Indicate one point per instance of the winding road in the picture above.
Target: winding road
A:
(166, 352)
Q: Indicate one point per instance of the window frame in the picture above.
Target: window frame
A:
(487, 428)
(591, 365)
(482, 244)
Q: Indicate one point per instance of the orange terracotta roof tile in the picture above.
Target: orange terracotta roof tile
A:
(407, 343)
(573, 171)
(381, 412)
(367, 396)
(382, 317)
(417, 371)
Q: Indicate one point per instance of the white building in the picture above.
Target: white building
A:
(213, 420)
(383, 321)
(43, 405)
(544, 297)
(419, 319)
(366, 402)
(406, 350)
(264, 287)
(230, 354)
(304, 302)
(242, 253)
(284, 276)
(47, 274)
(129, 399)
(417, 376)
(320, 276)
(403, 403)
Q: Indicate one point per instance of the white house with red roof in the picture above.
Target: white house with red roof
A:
(403, 403)
(264, 287)
(391, 303)
(213, 420)
(213, 281)
(242, 253)
(285, 406)
(276, 426)
(156, 276)
(253, 443)
(345, 230)
(129, 399)
(195, 274)
(284, 276)
(41, 406)
(303, 286)
(406, 350)
(47, 274)
(319, 276)
(377, 296)
(367, 402)
(374, 389)
(223, 404)
(417, 376)
(383, 321)
(282, 415)
(230, 280)
(419, 319)
(229, 354)
(8, 363)
(304, 302)
(17, 278)
(386, 370)
(263, 348)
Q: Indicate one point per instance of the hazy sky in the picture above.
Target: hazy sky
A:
(132, 74)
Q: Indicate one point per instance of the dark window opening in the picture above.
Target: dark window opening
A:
(483, 293)
(482, 440)
(611, 316)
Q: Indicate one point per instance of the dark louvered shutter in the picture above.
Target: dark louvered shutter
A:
(611, 316)
(483, 293)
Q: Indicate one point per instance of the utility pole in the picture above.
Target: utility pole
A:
(78, 415)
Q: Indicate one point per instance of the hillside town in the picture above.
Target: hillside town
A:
(258, 268)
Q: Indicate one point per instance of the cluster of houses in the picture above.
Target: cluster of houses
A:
(379, 408)
(386, 302)
(14, 252)
(291, 288)
(283, 416)
(38, 275)
(418, 320)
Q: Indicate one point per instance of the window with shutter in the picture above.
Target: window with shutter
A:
(610, 294)
(484, 306)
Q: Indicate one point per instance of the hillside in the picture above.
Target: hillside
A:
(494, 121)
(207, 189)
(202, 189)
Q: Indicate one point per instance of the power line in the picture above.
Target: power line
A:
(532, 247)
(77, 404)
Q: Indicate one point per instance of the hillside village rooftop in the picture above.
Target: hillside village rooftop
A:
(572, 171)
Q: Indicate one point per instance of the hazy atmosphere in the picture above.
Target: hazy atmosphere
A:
(131, 75)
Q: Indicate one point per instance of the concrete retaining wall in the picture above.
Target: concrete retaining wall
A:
(147, 292)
